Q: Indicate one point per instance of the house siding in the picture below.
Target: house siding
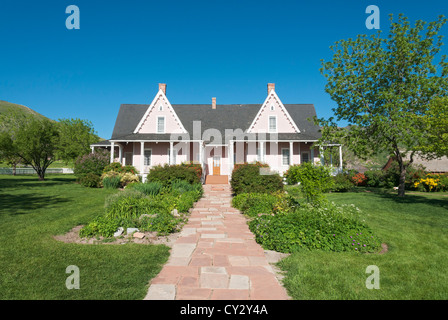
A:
(150, 123)
(261, 124)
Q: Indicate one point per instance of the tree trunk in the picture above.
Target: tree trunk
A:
(41, 174)
(14, 169)
(402, 167)
(402, 180)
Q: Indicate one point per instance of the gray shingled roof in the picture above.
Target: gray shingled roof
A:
(224, 119)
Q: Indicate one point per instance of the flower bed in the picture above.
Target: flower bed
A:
(146, 206)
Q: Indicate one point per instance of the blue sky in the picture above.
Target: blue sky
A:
(201, 49)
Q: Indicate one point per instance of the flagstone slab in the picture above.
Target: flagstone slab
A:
(161, 292)
(216, 257)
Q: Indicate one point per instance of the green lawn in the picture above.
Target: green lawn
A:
(414, 228)
(33, 264)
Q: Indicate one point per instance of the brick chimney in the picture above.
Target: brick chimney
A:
(213, 103)
(162, 86)
(271, 86)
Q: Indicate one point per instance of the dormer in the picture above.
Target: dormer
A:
(273, 116)
(160, 116)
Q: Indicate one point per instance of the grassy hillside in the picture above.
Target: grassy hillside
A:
(5, 106)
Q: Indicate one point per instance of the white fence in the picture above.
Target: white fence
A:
(32, 171)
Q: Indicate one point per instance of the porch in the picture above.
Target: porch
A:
(218, 161)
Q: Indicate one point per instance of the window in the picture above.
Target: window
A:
(147, 157)
(285, 157)
(161, 107)
(272, 124)
(305, 157)
(272, 108)
(160, 124)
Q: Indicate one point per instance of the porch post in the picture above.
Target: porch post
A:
(230, 153)
(171, 152)
(120, 154)
(300, 156)
(262, 158)
(93, 149)
(142, 157)
(200, 155)
(290, 153)
(112, 148)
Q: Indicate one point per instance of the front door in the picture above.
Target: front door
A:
(216, 165)
(128, 158)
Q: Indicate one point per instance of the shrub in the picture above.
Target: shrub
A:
(359, 179)
(126, 193)
(163, 223)
(181, 186)
(239, 200)
(169, 173)
(128, 208)
(128, 177)
(390, 178)
(443, 182)
(146, 206)
(91, 163)
(114, 166)
(195, 167)
(111, 182)
(129, 169)
(341, 183)
(90, 180)
(115, 179)
(414, 174)
(257, 203)
(329, 228)
(186, 200)
(99, 227)
(110, 179)
(246, 178)
(117, 167)
(150, 189)
(432, 183)
(314, 180)
(254, 204)
(375, 178)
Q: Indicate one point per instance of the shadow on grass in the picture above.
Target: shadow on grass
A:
(32, 181)
(409, 198)
(14, 201)
(25, 203)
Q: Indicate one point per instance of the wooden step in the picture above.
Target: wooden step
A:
(222, 179)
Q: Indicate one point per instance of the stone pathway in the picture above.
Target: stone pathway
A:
(216, 257)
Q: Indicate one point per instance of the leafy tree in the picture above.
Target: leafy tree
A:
(35, 142)
(75, 138)
(10, 121)
(383, 87)
(436, 125)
